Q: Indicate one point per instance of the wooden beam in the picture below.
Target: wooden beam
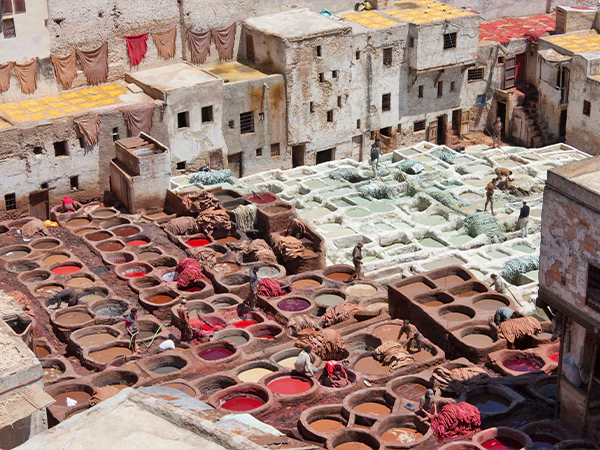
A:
(586, 411)
(563, 328)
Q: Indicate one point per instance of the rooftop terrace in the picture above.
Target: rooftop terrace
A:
(503, 30)
(579, 42)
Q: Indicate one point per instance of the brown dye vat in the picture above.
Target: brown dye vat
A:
(145, 256)
(99, 236)
(449, 282)
(79, 396)
(467, 294)
(327, 426)
(371, 366)
(387, 332)
(455, 317)
(107, 355)
(157, 215)
(307, 283)
(181, 387)
(489, 304)
(228, 239)
(433, 303)
(414, 289)
(42, 352)
(45, 245)
(48, 290)
(51, 373)
(73, 318)
(361, 289)
(110, 247)
(478, 340)
(160, 299)
(146, 334)
(401, 435)
(90, 298)
(74, 223)
(104, 213)
(339, 276)
(55, 259)
(15, 254)
(373, 408)
(126, 231)
(353, 445)
(421, 356)
(79, 282)
(226, 268)
(84, 231)
(92, 340)
(411, 391)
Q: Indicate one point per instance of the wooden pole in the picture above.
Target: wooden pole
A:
(563, 327)
(589, 387)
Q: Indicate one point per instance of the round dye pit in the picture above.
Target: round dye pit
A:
(79, 396)
(289, 385)
(15, 254)
(433, 303)
(339, 276)
(522, 365)
(288, 362)
(353, 445)
(79, 282)
(197, 242)
(267, 272)
(160, 299)
(237, 339)
(401, 435)
(449, 281)
(411, 391)
(49, 289)
(110, 246)
(99, 236)
(502, 443)
(215, 353)
(103, 213)
(361, 289)
(53, 259)
(262, 199)
(454, 316)
(542, 440)
(326, 426)
(107, 355)
(226, 267)
(228, 239)
(370, 366)
(45, 245)
(489, 304)
(373, 409)
(137, 243)
(489, 403)
(328, 300)
(306, 283)
(431, 243)
(478, 340)
(41, 352)
(163, 370)
(146, 256)
(79, 222)
(135, 273)
(73, 318)
(243, 323)
(494, 254)
(84, 231)
(293, 304)
(242, 403)
(51, 373)
(90, 298)
(414, 289)
(125, 231)
(253, 375)
(387, 332)
(358, 213)
(65, 270)
(92, 340)
(430, 220)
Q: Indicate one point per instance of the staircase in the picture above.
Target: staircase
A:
(535, 136)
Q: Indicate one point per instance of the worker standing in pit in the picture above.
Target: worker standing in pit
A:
(357, 260)
(489, 196)
(375, 154)
(498, 284)
(523, 219)
(412, 333)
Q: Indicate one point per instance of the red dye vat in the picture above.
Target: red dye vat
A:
(289, 385)
(261, 199)
(501, 443)
(544, 440)
(120, 262)
(244, 323)
(64, 270)
(192, 289)
(137, 243)
(266, 336)
(521, 365)
(554, 357)
(213, 354)
(134, 274)
(198, 242)
(242, 403)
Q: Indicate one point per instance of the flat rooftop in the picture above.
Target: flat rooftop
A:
(585, 174)
(74, 102)
(503, 30)
(295, 24)
(231, 72)
(579, 42)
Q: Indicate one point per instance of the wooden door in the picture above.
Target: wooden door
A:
(216, 160)
(357, 147)
(520, 63)
(39, 204)
(464, 124)
(235, 164)
(509, 73)
(432, 132)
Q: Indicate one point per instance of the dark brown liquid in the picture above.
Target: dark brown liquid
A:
(100, 236)
(339, 276)
(354, 445)
(45, 245)
(411, 391)
(127, 231)
(73, 318)
(387, 332)
(42, 352)
(79, 396)
(373, 408)
(110, 247)
(107, 355)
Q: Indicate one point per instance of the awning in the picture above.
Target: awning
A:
(553, 56)
(23, 404)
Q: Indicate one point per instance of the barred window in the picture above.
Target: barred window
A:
(386, 102)
(10, 200)
(419, 125)
(247, 122)
(592, 298)
(449, 40)
(387, 56)
(275, 149)
(587, 108)
(475, 74)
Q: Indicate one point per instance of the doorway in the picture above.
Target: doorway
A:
(501, 112)
(456, 121)
(216, 160)
(441, 130)
(357, 147)
(235, 164)
(324, 156)
(39, 204)
(520, 65)
(298, 153)
(562, 126)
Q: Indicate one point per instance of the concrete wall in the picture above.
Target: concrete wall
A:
(32, 39)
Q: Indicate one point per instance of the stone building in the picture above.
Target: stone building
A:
(570, 283)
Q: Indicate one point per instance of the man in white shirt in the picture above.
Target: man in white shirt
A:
(498, 284)
(304, 361)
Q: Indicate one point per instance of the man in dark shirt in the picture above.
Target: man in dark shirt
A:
(375, 154)
(66, 295)
(357, 260)
(523, 219)
(133, 328)
(251, 299)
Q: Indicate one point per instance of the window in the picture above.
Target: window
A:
(321, 77)
(339, 101)
(386, 102)
(329, 116)
(259, 152)
(115, 134)
(399, 128)
(419, 126)
(8, 29)
(181, 165)
(358, 124)
(318, 50)
(38, 150)
(74, 182)
(452, 86)
(500, 59)
(60, 148)
(587, 108)
(261, 117)
(275, 149)
(10, 200)
(183, 120)
(247, 122)
(449, 40)
(387, 56)
(421, 91)
(10, 7)
(311, 107)
(334, 74)
(387, 131)
(440, 88)
(592, 297)
(82, 142)
(250, 48)
(44, 186)
(357, 55)
(231, 124)
(475, 74)
(411, 42)
(207, 114)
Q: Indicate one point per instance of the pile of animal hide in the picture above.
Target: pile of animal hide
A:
(326, 344)
(212, 220)
(519, 327)
(459, 379)
(393, 354)
(301, 322)
(198, 201)
(339, 313)
(288, 247)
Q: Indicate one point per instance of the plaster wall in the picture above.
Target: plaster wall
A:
(550, 106)
(263, 95)
(32, 39)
